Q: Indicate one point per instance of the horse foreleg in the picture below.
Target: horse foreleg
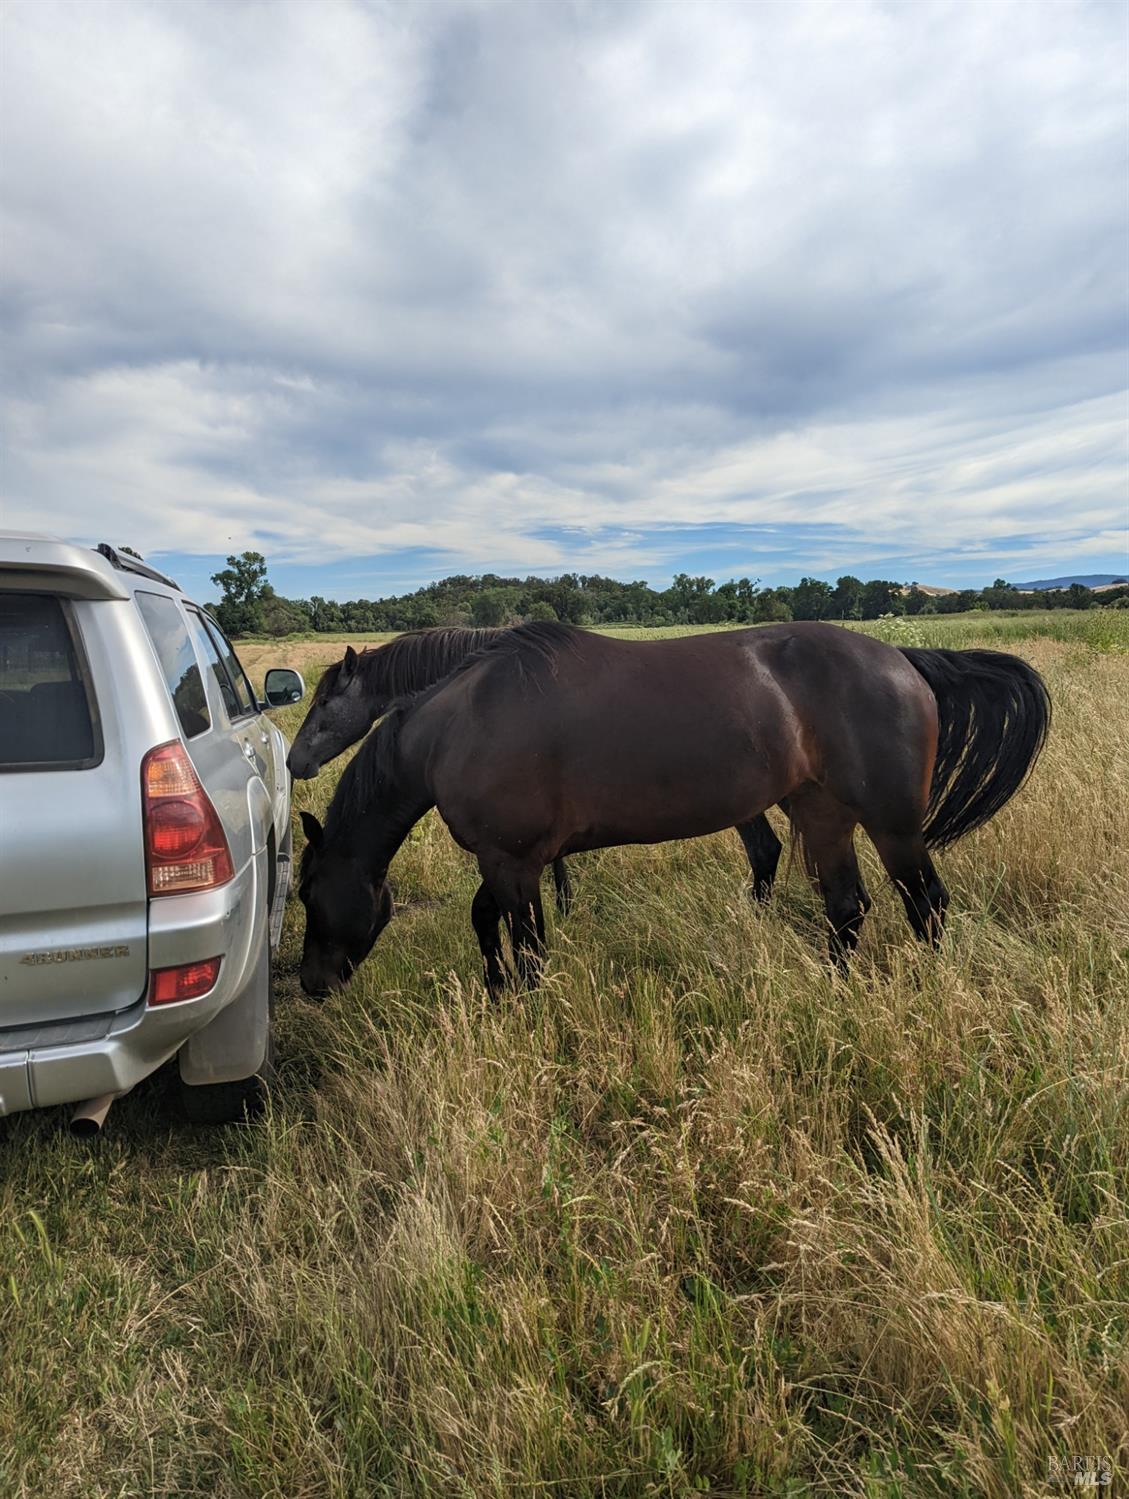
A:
(485, 916)
(527, 935)
(516, 888)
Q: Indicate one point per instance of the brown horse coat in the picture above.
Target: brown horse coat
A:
(627, 742)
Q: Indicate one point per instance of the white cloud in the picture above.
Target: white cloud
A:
(346, 279)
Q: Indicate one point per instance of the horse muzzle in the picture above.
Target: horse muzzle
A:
(301, 767)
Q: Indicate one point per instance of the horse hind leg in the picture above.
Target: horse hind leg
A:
(563, 884)
(763, 849)
(921, 888)
(845, 900)
(827, 830)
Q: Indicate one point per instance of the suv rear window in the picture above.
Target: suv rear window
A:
(45, 712)
(169, 634)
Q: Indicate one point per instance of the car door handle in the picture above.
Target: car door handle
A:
(248, 749)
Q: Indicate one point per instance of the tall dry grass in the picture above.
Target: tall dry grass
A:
(698, 1216)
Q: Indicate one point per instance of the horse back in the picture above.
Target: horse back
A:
(603, 737)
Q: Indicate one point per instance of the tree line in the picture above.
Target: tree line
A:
(249, 605)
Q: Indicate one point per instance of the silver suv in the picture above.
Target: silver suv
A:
(144, 839)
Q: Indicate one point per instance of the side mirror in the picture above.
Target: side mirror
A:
(283, 687)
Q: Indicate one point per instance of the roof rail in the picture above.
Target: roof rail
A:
(128, 564)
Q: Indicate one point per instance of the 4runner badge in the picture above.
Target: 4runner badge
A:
(76, 954)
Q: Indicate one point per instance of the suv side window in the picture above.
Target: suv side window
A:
(48, 717)
(169, 635)
(211, 657)
(231, 661)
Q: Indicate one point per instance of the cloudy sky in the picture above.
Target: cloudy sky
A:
(392, 290)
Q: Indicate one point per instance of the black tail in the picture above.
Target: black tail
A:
(994, 713)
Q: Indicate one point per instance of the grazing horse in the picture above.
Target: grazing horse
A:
(357, 690)
(557, 740)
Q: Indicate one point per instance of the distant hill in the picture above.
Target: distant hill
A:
(1088, 580)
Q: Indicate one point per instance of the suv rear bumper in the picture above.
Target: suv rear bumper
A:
(78, 1059)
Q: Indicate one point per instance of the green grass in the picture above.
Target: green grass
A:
(1100, 629)
(1097, 629)
(697, 1217)
(945, 629)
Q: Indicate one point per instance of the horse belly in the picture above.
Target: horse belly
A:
(597, 767)
(657, 793)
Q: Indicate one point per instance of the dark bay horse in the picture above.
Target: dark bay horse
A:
(357, 690)
(558, 740)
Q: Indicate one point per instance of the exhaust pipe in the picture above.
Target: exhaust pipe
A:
(89, 1117)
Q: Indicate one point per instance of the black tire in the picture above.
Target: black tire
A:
(244, 1099)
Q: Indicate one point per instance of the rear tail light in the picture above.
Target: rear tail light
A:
(167, 985)
(185, 844)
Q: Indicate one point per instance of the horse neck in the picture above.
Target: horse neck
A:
(377, 834)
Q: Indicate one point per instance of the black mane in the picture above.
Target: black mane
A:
(532, 647)
(412, 661)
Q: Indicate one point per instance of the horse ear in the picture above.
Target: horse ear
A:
(349, 665)
(312, 829)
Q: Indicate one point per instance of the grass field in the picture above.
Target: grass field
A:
(697, 1217)
(1103, 629)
